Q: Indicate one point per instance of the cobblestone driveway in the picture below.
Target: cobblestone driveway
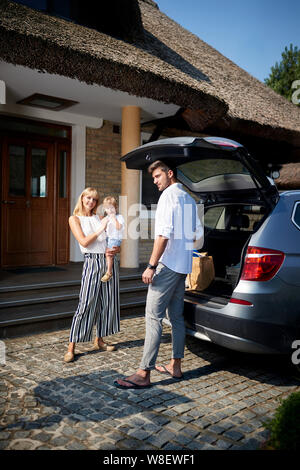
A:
(221, 404)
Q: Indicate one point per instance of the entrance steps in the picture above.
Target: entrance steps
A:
(46, 301)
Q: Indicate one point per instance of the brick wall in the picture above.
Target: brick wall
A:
(103, 172)
(103, 166)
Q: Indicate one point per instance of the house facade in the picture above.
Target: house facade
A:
(80, 88)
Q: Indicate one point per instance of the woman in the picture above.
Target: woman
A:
(98, 302)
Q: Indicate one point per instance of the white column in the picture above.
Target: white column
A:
(77, 179)
(130, 186)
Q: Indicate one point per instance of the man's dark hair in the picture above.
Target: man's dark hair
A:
(162, 166)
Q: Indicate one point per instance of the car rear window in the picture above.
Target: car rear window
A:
(234, 218)
(296, 215)
(216, 174)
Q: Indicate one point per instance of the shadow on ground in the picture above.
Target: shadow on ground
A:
(269, 369)
(93, 397)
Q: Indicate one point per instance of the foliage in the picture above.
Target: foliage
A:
(285, 426)
(285, 73)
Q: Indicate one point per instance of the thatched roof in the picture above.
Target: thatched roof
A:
(58, 46)
(169, 64)
(249, 100)
(289, 176)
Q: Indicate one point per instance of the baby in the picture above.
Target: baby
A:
(114, 232)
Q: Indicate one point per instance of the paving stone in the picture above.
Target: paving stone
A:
(202, 422)
(185, 418)
(209, 438)
(223, 445)
(22, 444)
(175, 426)
(43, 436)
(139, 434)
(48, 405)
(76, 446)
(173, 446)
(130, 444)
(249, 444)
(217, 428)
(245, 428)
(21, 434)
(161, 438)
(232, 434)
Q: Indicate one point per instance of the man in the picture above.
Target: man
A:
(176, 224)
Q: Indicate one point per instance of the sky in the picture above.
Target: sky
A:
(251, 33)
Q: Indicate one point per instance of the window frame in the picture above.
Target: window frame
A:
(297, 203)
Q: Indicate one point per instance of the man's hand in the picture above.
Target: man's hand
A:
(147, 276)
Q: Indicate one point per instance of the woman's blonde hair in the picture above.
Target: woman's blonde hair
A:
(78, 210)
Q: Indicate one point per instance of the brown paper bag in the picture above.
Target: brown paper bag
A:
(203, 272)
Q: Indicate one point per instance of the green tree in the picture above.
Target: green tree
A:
(284, 74)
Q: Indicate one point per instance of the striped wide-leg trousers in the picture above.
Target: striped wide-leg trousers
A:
(99, 302)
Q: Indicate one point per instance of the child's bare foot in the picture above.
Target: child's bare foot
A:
(106, 277)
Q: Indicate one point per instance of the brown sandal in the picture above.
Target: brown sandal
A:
(106, 277)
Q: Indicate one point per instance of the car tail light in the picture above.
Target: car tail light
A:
(261, 264)
(240, 301)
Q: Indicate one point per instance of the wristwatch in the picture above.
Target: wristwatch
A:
(151, 266)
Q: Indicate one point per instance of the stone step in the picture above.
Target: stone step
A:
(6, 288)
(49, 316)
(59, 294)
(46, 299)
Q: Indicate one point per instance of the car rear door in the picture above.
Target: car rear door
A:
(214, 168)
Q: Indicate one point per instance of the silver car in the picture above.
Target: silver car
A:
(253, 235)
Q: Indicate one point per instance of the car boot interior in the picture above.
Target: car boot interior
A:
(228, 229)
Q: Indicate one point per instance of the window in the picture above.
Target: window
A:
(235, 218)
(63, 174)
(17, 162)
(212, 217)
(296, 215)
(215, 174)
(39, 172)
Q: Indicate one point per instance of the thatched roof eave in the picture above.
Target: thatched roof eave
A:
(170, 65)
(60, 47)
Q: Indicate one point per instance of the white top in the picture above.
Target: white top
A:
(111, 230)
(177, 219)
(91, 225)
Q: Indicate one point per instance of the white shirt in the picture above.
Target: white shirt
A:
(177, 219)
(111, 230)
(91, 225)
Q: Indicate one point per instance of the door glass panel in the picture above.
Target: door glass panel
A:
(63, 174)
(17, 159)
(38, 172)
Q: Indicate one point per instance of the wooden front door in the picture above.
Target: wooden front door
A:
(27, 207)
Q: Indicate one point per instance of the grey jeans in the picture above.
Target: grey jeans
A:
(166, 293)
